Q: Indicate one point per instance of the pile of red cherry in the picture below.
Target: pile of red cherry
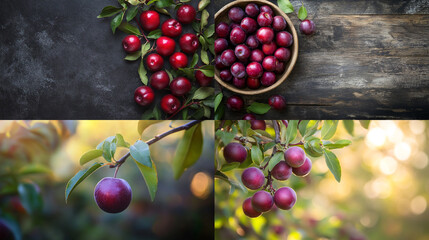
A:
(253, 48)
(165, 47)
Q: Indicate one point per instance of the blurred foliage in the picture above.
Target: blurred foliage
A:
(383, 192)
(38, 157)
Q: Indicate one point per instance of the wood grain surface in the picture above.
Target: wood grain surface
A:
(368, 60)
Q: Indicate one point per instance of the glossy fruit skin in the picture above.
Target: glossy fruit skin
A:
(249, 210)
(269, 48)
(165, 46)
(237, 36)
(202, 79)
(262, 201)
(284, 39)
(189, 43)
(178, 60)
(268, 79)
(170, 104)
(228, 57)
(236, 14)
(285, 122)
(257, 55)
(225, 75)
(282, 54)
(144, 95)
(265, 19)
(265, 35)
(254, 70)
(277, 102)
(249, 116)
(280, 67)
(252, 10)
(180, 86)
(5, 231)
(304, 170)
(159, 80)
(266, 8)
(186, 14)
(238, 70)
(269, 63)
(253, 83)
(218, 63)
(239, 82)
(279, 23)
(154, 62)
(307, 27)
(222, 30)
(258, 125)
(252, 42)
(171, 28)
(242, 52)
(131, 43)
(220, 45)
(281, 171)
(235, 103)
(285, 198)
(249, 25)
(253, 178)
(234, 152)
(149, 20)
(294, 157)
(112, 195)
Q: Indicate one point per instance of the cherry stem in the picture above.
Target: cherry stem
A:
(158, 137)
(183, 107)
(277, 131)
(116, 171)
(141, 30)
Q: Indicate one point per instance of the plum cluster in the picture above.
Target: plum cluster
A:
(165, 47)
(254, 178)
(253, 48)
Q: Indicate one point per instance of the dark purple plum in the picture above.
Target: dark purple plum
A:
(252, 10)
(266, 8)
(225, 75)
(218, 63)
(236, 14)
(307, 27)
(282, 54)
(258, 125)
(257, 55)
(284, 39)
(269, 63)
(220, 45)
(269, 48)
(281, 171)
(238, 70)
(242, 52)
(239, 82)
(222, 30)
(249, 116)
(234, 152)
(112, 195)
(279, 23)
(304, 170)
(265, 19)
(228, 57)
(277, 102)
(294, 157)
(285, 198)
(237, 36)
(280, 67)
(268, 79)
(253, 178)
(265, 35)
(253, 83)
(262, 201)
(235, 103)
(252, 42)
(249, 210)
(254, 70)
(249, 25)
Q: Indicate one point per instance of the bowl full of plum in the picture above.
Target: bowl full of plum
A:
(256, 46)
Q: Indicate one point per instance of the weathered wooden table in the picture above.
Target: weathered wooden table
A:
(368, 60)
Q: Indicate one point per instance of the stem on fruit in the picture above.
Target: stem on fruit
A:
(277, 131)
(183, 107)
(158, 137)
(141, 30)
(296, 144)
(116, 171)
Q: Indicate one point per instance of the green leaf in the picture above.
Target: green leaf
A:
(204, 57)
(196, 26)
(203, 4)
(194, 61)
(188, 150)
(210, 30)
(349, 125)
(207, 111)
(155, 34)
(203, 42)
(109, 11)
(170, 76)
(226, 137)
(291, 131)
(229, 166)
(203, 93)
(257, 156)
(311, 128)
(30, 197)
(132, 12)
(204, 18)
(163, 11)
(90, 155)
(218, 100)
(120, 142)
(338, 144)
(107, 153)
(302, 127)
(80, 176)
(219, 112)
(333, 164)
(141, 153)
(163, 3)
(328, 129)
(285, 6)
(142, 73)
(129, 28)
(302, 13)
(207, 72)
(143, 124)
(312, 146)
(259, 108)
(133, 56)
(365, 123)
(278, 156)
(33, 168)
(244, 126)
(150, 176)
(116, 21)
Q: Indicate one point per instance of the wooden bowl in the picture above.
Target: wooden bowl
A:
(222, 16)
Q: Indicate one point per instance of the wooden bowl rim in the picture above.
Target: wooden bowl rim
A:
(291, 63)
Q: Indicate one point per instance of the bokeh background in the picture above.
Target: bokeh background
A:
(383, 192)
(183, 209)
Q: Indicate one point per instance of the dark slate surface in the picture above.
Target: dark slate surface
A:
(58, 61)
(368, 60)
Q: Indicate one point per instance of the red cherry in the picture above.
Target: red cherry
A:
(180, 86)
(144, 95)
(149, 20)
(186, 14)
(165, 46)
(171, 28)
(159, 80)
(170, 104)
(189, 43)
(202, 79)
(154, 62)
(178, 60)
(131, 43)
